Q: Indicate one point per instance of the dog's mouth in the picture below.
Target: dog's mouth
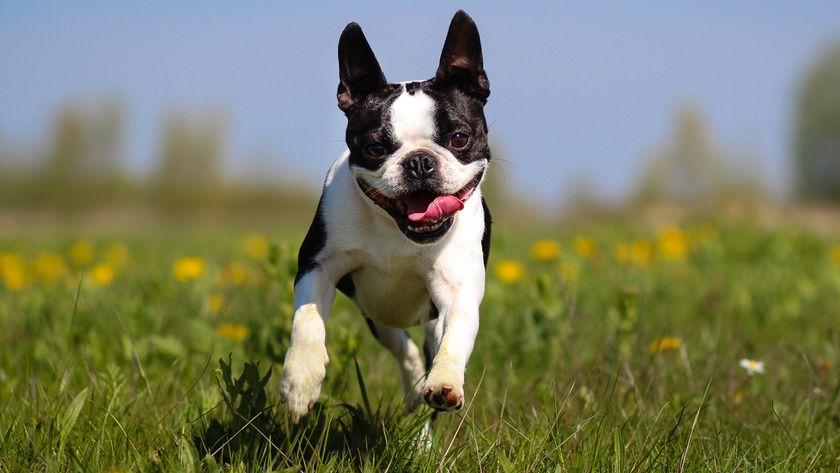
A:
(423, 216)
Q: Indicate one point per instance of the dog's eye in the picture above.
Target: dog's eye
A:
(377, 150)
(459, 140)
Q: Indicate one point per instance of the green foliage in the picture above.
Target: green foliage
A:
(246, 401)
(590, 359)
(68, 421)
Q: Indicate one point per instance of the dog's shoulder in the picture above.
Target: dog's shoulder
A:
(315, 240)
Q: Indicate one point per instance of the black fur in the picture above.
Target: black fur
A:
(372, 326)
(485, 239)
(358, 70)
(459, 112)
(461, 61)
(313, 243)
(346, 286)
(433, 311)
(429, 351)
(413, 87)
(368, 124)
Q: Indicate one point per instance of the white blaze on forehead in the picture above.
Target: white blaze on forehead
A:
(413, 117)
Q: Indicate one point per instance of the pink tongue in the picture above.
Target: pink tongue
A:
(441, 208)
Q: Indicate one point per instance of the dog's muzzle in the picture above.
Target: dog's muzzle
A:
(422, 216)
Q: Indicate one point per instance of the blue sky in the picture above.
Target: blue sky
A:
(581, 92)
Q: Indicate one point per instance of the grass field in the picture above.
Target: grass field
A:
(606, 348)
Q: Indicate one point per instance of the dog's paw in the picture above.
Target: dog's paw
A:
(300, 384)
(444, 389)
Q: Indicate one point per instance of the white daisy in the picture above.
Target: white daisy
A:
(752, 366)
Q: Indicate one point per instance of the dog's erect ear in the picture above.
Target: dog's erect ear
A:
(358, 69)
(461, 62)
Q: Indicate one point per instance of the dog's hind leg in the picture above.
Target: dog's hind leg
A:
(408, 358)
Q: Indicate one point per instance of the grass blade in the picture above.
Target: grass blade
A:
(71, 415)
(365, 399)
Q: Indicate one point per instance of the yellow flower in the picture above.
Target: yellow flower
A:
(11, 271)
(116, 254)
(214, 302)
(102, 274)
(621, 252)
(545, 250)
(233, 274)
(665, 343)
(509, 271)
(188, 268)
(81, 252)
(49, 267)
(235, 332)
(569, 270)
(584, 247)
(673, 243)
(640, 253)
(834, 254)
(256, 246)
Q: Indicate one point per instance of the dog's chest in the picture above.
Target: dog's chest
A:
(394, 295)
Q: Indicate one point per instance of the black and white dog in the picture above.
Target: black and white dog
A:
(401, 227)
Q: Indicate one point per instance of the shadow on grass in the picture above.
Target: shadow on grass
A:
(258, 434)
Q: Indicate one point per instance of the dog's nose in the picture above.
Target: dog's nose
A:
(419, 166)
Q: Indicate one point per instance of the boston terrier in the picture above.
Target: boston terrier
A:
(401, 227)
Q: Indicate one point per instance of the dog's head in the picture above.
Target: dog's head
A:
(419, 149)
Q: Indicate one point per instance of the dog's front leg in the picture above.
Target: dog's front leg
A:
(455, 335)
(305, 365)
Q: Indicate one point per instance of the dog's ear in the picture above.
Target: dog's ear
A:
(358, 70)
(461, 62)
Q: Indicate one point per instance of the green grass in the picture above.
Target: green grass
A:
(142, 374)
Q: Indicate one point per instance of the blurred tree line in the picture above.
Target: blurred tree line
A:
(691, 169)
(817, 143)
(81, 167)
(78, 162)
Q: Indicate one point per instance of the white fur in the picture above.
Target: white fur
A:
(395, 278)
(413, 117)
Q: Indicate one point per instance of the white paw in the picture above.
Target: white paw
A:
(444, 388)
(303, 371)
